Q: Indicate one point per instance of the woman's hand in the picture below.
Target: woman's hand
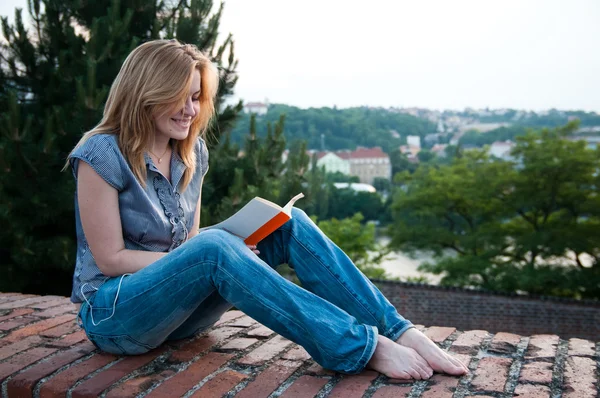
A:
(253, 248)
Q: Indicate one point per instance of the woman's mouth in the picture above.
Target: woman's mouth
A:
(182, 123)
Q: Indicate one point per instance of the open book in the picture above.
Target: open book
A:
(257, 219)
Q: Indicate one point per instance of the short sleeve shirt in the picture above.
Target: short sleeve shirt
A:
(156, 217)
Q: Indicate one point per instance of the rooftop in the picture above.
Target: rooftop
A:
(43, 353)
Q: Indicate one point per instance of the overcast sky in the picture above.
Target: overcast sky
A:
(526, 54)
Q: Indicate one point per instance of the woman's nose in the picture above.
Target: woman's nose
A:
(189, 108)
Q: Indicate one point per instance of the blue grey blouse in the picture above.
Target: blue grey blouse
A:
(156, 218)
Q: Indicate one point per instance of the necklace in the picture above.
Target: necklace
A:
(160, 158)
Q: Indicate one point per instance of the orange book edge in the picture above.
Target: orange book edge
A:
(267, 228)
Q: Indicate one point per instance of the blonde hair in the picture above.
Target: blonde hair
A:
(155, 80)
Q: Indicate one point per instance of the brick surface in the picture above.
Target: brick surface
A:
(15, 313)
(137, 385)
(25, 302)
(269, 380)
(504, 343)
(228, 316)
(441, 386)
(193, 348)
(261, 331)
(297, 354)
(542, 347)
(69, 340)
(183, 381)
(468, 342)
(392, 392)
(19, 361)
(15, 348)
(15, 323)
(220, 384)
(54, 311)
(36, 328)
(491, 374)
(536, 372)
(439, 334)
(22, 384)
(318, 370)
(243, 322)
(61, 330)
(100, 382)
(51, 303)
(580, 378)
(581, 348)
(532, 391)
(58, 385)
(266, 351)
(240, 343)
(353, 386)
(305, 386)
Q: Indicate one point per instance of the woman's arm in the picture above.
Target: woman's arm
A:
(101, 222)
(196, 226)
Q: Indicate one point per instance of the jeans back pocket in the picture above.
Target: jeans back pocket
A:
(119, 345)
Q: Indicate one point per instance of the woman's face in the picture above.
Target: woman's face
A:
(177, 125)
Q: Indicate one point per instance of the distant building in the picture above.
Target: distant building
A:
(413, 140)
(259, 108)
(501, 149)
(334, 162)
(439, 150)
(356, 186)
(370, 163)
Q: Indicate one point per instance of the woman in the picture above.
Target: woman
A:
(144, 275)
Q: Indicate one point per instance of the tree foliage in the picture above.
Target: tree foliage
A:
(524, 226)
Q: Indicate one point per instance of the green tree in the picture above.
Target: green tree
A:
(55, 74)
(358, 242)
(508, 226)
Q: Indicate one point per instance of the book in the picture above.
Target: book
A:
(257, 219)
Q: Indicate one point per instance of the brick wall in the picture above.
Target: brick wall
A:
(472, 309)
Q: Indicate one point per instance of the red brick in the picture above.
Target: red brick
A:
(15, 348)
(542, 346)
(581, 348)
(269, 379)
(48, 304)
(392, 392)
(469, 342)
(353, 386)
(22, 384)
(491, 374)
(54, 311)
(193, 348)
(318, 370)
(243, 322)
(297, 353)
(439, 334)
(228, 316)
(25, 302)
(220, 384)
(464, 358)
(137, 385)
(37, 328)
(579, 377)
(441, 386)
(70, 339)
(9, 294)
(305, 386)
(268, 350)
(240, 343)
(58, 385)
(15, 323)
(100, 382)
(261, 331)
(183, 381)
(504, 343)
(536, 372)
(532, 391)
(61, 330)
(22, 360)
(15, 313)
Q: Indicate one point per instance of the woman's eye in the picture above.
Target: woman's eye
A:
(196, 99)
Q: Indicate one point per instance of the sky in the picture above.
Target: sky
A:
(523, 54)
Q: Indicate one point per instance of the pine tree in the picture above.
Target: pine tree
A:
(55, 73)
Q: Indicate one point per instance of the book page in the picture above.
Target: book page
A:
(251, 217)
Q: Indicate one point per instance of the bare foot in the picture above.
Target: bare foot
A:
(398, 362)
(438, 359)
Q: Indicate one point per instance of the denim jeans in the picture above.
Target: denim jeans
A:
(336, 314)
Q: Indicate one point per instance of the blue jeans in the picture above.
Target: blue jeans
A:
(335, 316)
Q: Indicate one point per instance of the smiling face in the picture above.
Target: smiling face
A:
(177, 125)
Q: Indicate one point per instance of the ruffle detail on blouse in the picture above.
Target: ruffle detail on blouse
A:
(171, 205)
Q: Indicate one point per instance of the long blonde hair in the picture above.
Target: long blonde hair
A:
(155, 80)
